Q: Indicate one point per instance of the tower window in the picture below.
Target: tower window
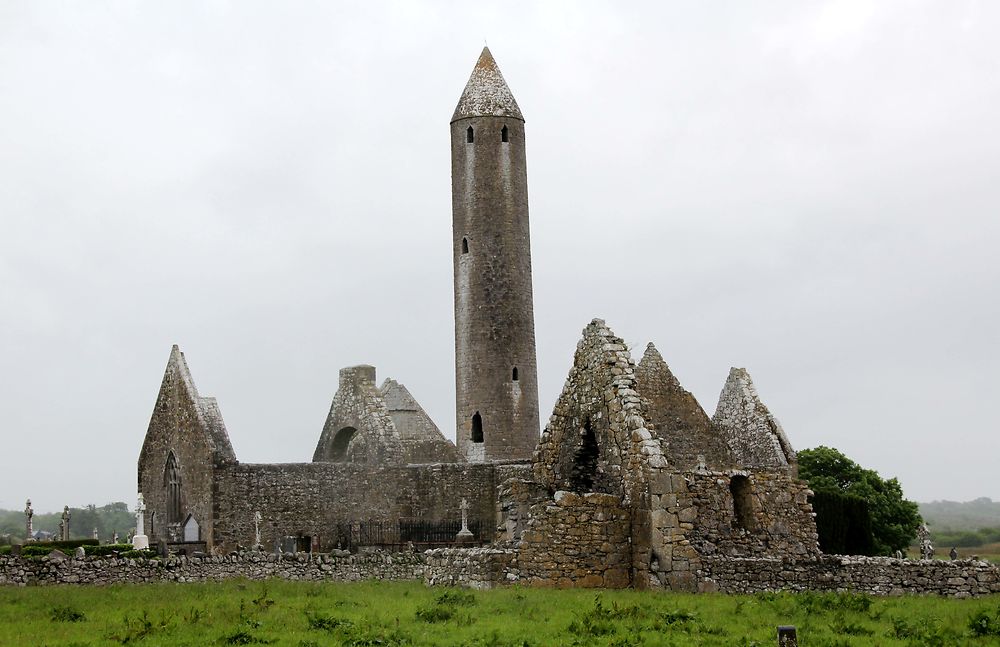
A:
(513, 375)
(465, 245)
(469, 135)
(477, 428)
(504, 137)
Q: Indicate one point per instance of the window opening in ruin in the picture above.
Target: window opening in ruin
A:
(465, 245)
(514, 374)
(584, 470)
(152, 523)
(503, 134)
(739, 487)
(172, 481)
(469, 135)
(477, 428)
(338, 452)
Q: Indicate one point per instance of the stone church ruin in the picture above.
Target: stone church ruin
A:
(630, 484)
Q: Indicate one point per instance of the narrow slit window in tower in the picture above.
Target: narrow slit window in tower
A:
(477, 428)
(469, 135)
(739, 487)
(465, 245)
(504, 137)
(513, 375)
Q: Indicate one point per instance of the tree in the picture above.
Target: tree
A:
(894, 520)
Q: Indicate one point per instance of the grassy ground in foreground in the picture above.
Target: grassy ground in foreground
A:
(303, 614)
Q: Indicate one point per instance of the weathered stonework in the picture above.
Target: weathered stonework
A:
(675, 417)
(496, 399)
(422, 441)
(358, 428)
(752, 433)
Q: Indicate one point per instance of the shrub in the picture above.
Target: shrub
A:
(981, 623)
(107, 549)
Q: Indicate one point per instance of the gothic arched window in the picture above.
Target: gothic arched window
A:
(172, 481)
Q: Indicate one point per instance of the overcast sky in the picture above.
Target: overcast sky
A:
(808, 190)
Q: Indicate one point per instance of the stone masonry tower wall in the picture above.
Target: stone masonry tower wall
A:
(496, 378)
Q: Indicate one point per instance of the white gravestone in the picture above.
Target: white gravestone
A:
(140, 541)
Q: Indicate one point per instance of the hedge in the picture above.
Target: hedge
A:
(844, 523)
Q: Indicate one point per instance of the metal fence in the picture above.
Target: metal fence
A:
(403, 532)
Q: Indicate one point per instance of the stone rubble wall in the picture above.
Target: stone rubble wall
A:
(576, 540)
(485, 568)
(783, 523)
(873, 575)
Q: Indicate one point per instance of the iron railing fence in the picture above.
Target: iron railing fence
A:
(400, 533)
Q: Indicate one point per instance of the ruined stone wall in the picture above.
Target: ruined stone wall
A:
(754, 436)
(358, 428)
(422, 441)
(310, 499)
(674, 416)
(875, 575)
(578, 540)
(781, 518)
(190, 428)
(596, 440)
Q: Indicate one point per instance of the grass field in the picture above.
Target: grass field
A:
(364, 614)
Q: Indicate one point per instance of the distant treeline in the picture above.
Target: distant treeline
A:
(970, 515)
(944, 537)
(107, 519)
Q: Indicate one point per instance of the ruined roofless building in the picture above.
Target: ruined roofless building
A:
(496, 399)
(630, 484)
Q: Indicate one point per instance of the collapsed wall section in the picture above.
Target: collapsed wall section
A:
(359, 428)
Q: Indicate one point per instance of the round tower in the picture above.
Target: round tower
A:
(496, 379)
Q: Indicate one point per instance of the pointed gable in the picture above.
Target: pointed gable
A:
(596, 439)
(358, 428)
(754, 436)
(486, 94)
(422, 440)
(674, 416)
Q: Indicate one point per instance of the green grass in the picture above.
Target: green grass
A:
(368, 614)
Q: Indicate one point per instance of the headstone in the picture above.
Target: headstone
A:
(787, 636)
(953, 554)
(140, 541)
(192, 532)
(114, 537)
(29, 530)
(926, 548)
(80, 553)
(58, 556)
(464, 535)
(95, 535)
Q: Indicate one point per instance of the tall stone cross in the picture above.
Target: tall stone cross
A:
(464, 534)
(140, 509)
(140, 541)
(65, 523)
(28, 514)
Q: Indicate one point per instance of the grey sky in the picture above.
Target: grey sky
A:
(808, 190)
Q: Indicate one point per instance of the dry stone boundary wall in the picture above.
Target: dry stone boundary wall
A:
(484, 568)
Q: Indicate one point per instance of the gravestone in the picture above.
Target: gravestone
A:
(192, 531)
(464, 535)
(787, 636)
(140, 541)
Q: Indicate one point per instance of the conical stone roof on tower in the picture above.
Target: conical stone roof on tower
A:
(486, 93)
